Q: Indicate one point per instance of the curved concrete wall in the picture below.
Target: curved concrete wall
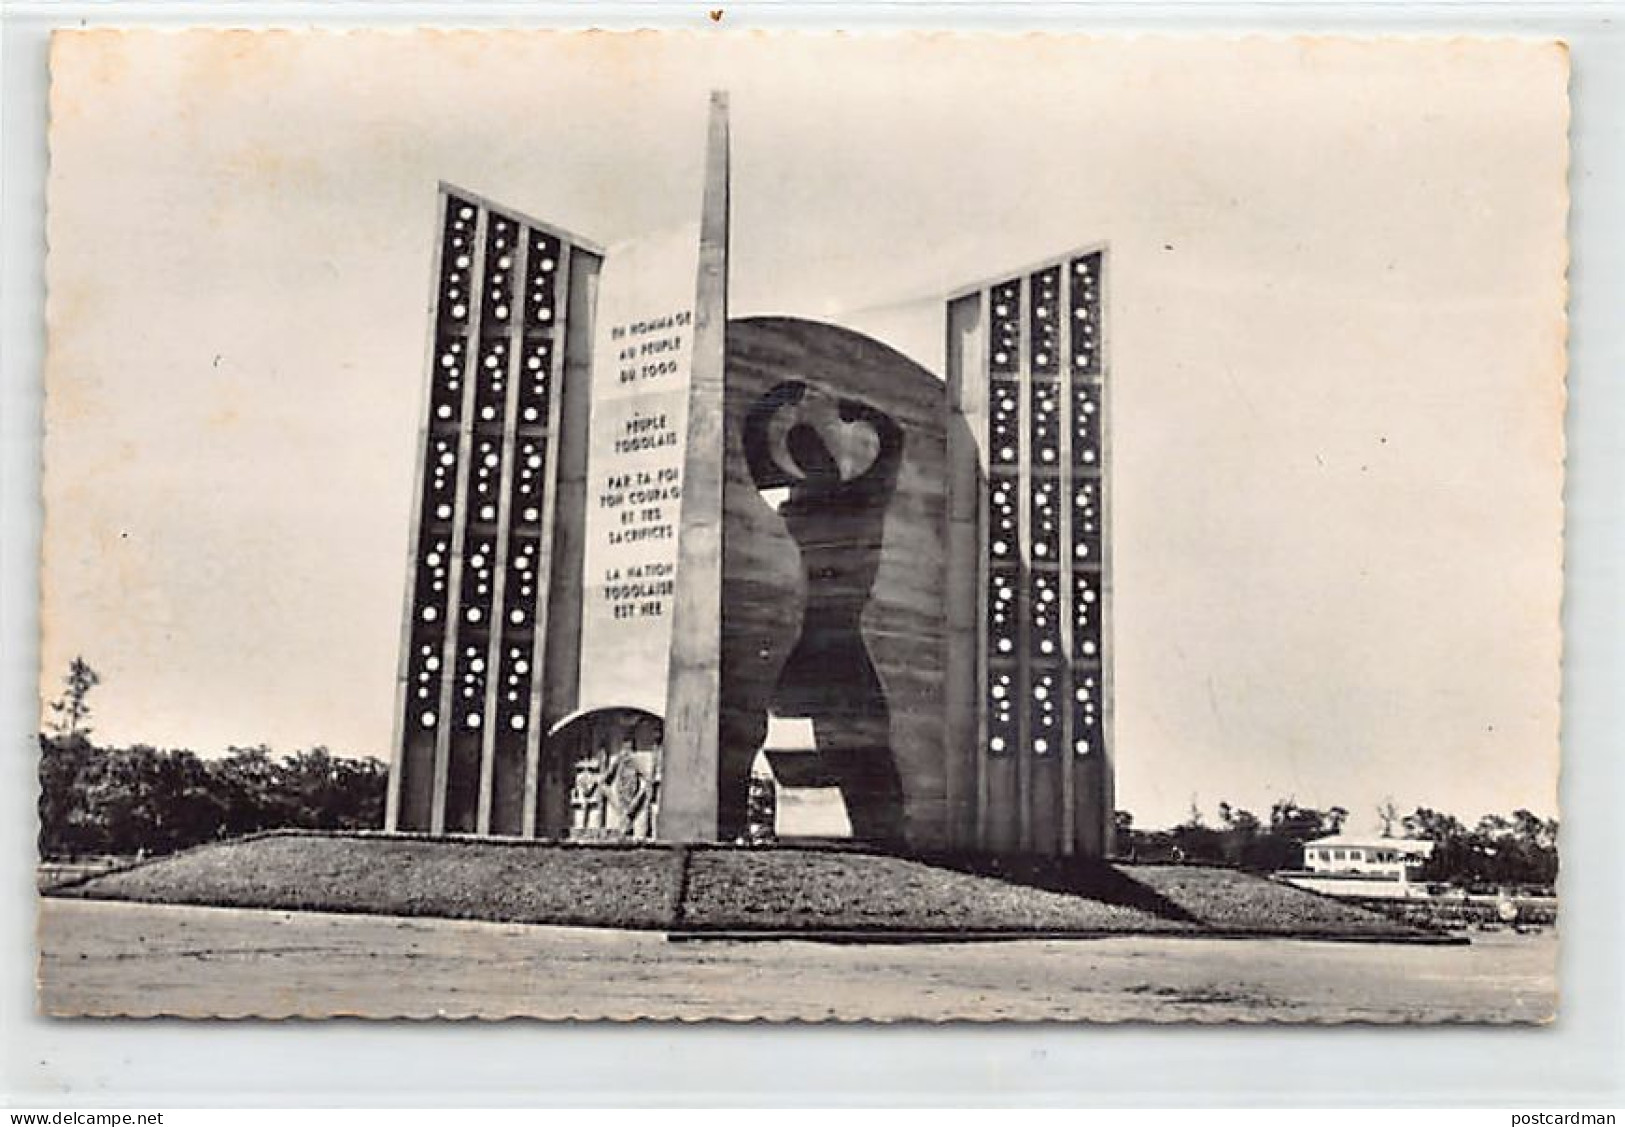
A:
(765, 581)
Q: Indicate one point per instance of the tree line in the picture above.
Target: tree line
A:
(126, 800)
(141, 799)
(1517, 850)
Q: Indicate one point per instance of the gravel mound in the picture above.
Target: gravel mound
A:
(716, 889)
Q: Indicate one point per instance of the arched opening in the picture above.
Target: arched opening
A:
(607, 766)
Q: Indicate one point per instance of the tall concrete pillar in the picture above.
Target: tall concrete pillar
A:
(476, 617)
(1030, 670)
(688, 801)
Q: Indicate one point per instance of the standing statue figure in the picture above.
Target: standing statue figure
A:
(839, 525)
(629, 795)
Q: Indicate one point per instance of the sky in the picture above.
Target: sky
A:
(1336, 340)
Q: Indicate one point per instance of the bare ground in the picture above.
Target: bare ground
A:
(101, 959)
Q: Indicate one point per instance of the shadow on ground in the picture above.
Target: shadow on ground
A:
(1092, 879)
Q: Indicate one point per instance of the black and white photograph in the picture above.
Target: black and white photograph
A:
(909, 527)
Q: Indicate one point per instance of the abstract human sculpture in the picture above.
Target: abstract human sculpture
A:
(845, 456)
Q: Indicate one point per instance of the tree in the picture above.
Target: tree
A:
(1299, 824)
(65, 823)
(1239, 835)
(1194, 840)
(1388, 815)
(1516, 850)
(1238, 820)
(1538, 832)
(71, 711)
(320, 790)
(1458, 855)
(1291, 825)
(1424, 824)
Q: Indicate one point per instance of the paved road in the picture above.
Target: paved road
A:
(139, 959)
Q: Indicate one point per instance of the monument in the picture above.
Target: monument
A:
(654, 544)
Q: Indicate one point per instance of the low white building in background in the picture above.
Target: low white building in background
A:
(1341, 853)
(1344, 865)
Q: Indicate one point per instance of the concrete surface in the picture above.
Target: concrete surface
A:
(102, 958)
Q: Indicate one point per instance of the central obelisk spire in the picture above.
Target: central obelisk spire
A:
(688, 800)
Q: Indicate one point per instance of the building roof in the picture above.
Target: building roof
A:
(1349, 841)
